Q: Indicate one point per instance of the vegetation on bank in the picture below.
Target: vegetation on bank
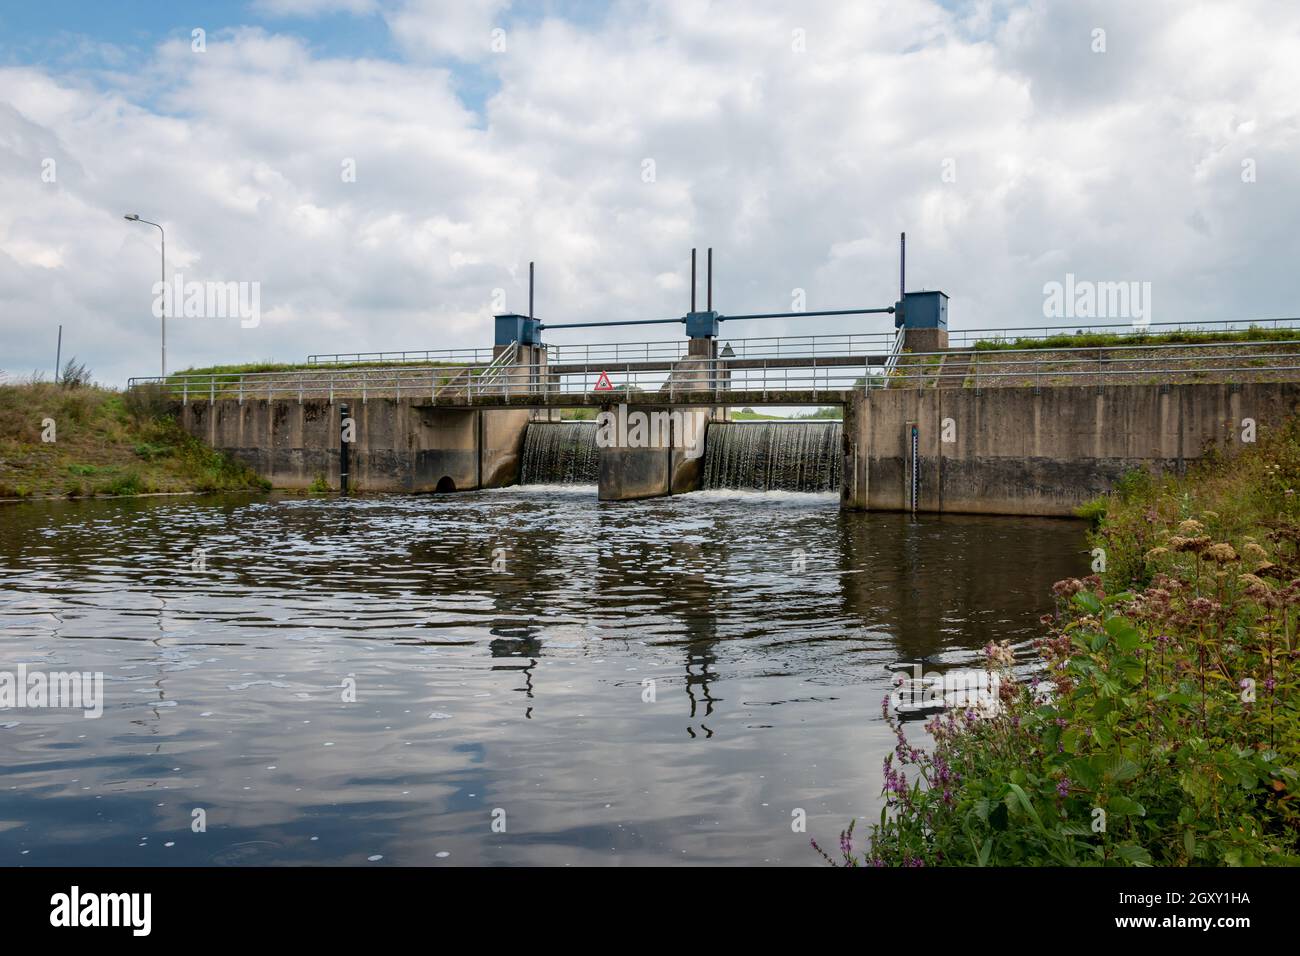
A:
(831, 413)
(75, 439)
(1079, 340)
(1164, 726)
(250, 368)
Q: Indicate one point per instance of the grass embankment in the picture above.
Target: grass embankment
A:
(250, 368)
(316, 381)
(1169, 732)
(1086, 340)
(105, 442)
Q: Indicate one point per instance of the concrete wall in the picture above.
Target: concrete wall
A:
(1014, 450)
(1026, 452)
(628, 474)
(401, 444)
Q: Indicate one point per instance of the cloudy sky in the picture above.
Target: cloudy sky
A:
(605, 140)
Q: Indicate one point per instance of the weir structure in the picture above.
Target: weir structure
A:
(927, 424)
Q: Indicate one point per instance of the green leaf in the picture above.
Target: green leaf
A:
(1088, 601)
(1026, 805)
(1120, 769)
(1082, 772)
(1125, 807)
(1126, 636)
(1132, 853)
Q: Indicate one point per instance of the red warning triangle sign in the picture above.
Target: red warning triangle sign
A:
(603, 384)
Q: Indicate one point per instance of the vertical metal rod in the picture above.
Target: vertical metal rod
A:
(709, 281)
(692, 280)
(58, 356)
(343, 447)
(902, 265)
(530, 290)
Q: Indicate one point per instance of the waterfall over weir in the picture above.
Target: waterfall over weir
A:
(560, 453)
(773, 456)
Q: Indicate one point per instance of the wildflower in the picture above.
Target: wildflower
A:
(1067, 588)
(1155, 553)
(1190, 528)
(1252, 550)
(1255, 587)
(1000, 655)
(1063, 787)
(1221, 553)
(1195, 545)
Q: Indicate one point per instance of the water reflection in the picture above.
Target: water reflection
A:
(647, 682)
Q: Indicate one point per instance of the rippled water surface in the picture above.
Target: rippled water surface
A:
(518, 693)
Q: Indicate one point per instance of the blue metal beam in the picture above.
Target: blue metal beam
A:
(800, 315)
(588, 325)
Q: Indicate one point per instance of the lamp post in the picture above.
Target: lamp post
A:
(135, 217)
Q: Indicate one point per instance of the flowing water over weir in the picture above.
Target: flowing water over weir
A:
(560, 453)
(773, 456)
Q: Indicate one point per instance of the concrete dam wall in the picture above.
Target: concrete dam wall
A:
(1024, 451)
(400, 444)
(1020, 451)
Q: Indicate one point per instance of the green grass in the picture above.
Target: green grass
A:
(250, 368)
(105, 443)
(1107, 339)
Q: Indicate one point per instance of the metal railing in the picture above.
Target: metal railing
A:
(469, 384)
(1159, 363)
(969, 337)
(792, 346)
(895, 350)
(616, 352)
(785, 346)
(422, 357)
(495, 370)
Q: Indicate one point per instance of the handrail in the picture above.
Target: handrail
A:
(504, 377)
(494, 369)
(1127, 329)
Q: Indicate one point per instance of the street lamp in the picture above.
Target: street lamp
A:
(135, 217)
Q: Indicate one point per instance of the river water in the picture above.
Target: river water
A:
(538, 678)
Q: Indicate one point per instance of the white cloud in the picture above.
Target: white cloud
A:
(800, 168)
(313, 8)
(461, 29)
